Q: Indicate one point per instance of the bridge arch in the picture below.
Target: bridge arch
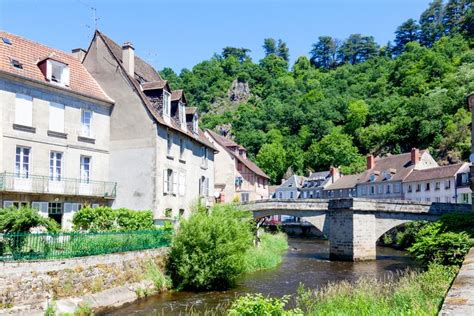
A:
(385, 222)
(318, 220)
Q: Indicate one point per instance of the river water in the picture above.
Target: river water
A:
(306, 262)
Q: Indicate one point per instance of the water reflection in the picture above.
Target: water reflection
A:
(307, 261)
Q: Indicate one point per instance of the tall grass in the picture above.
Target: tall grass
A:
(268, 254)
(413, 294)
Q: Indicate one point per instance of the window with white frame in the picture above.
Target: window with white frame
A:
(397, 187)
(57, 72)
(168, 181)
(388, 189)
(22, 162)
(244, 197)
(55, 165)
(23, 110)
(86, 123)
(203, 186)
(56, 117)
(85, 169)
(182, 184)
(55, 208)
(447, 184)
(169, 144)
(380, 189)
(166, 103)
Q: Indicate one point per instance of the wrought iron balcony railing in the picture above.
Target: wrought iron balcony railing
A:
(10, 182)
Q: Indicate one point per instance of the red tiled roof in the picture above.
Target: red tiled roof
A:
(401, 164)
(30, 53)
(199, 137)
(434, 173)
(225, 142)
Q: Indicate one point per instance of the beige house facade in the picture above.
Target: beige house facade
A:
(237, 178)
(159, 157)
(54, 138)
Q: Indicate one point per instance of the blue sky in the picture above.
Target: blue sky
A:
(180, 33)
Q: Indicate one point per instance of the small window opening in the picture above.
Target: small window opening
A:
(15, 63)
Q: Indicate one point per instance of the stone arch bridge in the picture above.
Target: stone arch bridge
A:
(354, 225)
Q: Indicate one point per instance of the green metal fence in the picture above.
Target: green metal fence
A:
(25, 246)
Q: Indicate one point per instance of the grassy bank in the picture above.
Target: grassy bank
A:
(415, 293)
(268, 254)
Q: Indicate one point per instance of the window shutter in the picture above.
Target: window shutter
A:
(65, 76)
(56, 117)
(75, 207)
(175, 182)
(200, 187)
(165, 181)
(42, 207)
(7, 204)
(24, 110)
(206, 187)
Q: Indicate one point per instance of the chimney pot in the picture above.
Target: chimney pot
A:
(334, 173)
(128, 58)
(79, 54)
(370, 162)
(415, 156)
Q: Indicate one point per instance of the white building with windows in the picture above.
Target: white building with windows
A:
(159, 156)
(54, 138)
(447, 184)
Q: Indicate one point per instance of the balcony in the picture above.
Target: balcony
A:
(9, 182)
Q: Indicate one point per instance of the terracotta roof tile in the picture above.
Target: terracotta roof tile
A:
(30, 53)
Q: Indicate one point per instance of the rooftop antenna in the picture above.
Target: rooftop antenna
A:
(95, 18)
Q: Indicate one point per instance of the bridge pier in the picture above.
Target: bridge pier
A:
(352, 236)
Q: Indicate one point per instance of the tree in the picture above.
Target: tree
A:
(173, 79)
(323, 54)
(335, 149)
(283, 51)
(272, 159)
(269, 46)
(358, 111)
(240, 53)
(409, 31)
(455, 14)
(357, 49)
(431, 23)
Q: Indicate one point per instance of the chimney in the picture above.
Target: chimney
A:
(370, 162)
(334, 173)
(79, 54)
(415, 156)
(128, 58)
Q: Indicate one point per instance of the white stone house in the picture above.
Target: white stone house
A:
(158, 154)
(54, 137)
(314, 185)
(384, 175)
(290, 188)
(236, 176)
(447, 184)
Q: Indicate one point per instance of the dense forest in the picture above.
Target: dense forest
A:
(348, 98)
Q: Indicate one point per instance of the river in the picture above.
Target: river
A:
(306, 261)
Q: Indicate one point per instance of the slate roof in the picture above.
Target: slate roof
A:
(344, 182)
(177, 95)
(142, 68)
(153, 85)
(318, 175)
(226, 143)
(434, 173)
(401, 164)
(30, 54)
(298, 180)
(147, 73)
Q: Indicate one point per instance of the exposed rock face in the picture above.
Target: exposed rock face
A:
(239, 91)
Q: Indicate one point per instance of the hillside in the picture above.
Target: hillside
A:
(348, 98)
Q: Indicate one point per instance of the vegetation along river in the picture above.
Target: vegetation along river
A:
(306, 261)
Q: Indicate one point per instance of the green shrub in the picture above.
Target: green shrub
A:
(21, 220)
(158, 278)
(268, 254)
(208, 250)
(107, 219)
(461, 222)
(433, 244)
(258, 305)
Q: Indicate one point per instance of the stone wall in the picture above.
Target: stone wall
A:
(35, 283)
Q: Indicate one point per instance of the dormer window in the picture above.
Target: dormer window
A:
(182, 115)
(166, 103)
(57, 72)
(195, 124)
(372, 177)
